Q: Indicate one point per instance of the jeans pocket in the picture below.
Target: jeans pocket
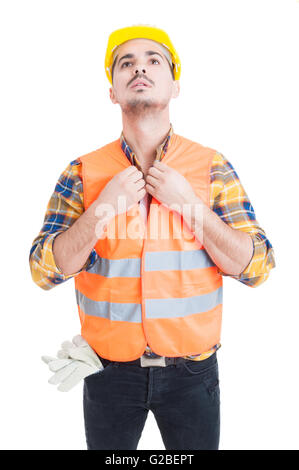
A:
(99, 372)
(211, 382)
(200, 367)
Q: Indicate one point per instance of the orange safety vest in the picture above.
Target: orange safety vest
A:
(164, 291)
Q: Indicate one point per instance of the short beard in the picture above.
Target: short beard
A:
(138, 108)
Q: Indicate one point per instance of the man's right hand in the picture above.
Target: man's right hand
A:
(129, 184)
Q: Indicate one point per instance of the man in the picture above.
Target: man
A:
(147, 226)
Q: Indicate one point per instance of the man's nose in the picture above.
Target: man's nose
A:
(137, 68)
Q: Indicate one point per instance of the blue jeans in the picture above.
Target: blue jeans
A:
(184, 398)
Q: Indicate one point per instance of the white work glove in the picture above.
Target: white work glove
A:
(75, 361)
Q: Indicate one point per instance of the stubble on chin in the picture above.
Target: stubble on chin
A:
(141, 107)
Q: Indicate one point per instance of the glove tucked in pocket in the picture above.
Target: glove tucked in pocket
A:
(75, 361)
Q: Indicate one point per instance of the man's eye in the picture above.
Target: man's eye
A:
(153, 60)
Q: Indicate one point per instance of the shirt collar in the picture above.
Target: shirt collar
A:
(160, 151)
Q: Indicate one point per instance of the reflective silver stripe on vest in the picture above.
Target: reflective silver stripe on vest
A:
(172, 308)
(155, 308)
(176, 260)
(127, 267)
(154, 261)
(111, 310)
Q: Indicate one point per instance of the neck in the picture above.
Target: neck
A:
(145, 134)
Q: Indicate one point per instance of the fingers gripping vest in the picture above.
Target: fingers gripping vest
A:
(152, 284)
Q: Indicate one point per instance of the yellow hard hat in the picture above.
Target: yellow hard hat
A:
(120, 36)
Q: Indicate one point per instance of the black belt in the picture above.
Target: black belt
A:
(146, 361)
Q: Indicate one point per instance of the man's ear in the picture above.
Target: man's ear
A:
(112, 95)
(176, 89)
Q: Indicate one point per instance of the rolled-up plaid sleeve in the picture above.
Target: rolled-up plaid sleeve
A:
(230, 201)
(64, 208)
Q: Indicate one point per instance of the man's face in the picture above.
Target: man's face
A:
(146, 62)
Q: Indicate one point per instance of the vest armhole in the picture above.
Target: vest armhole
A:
(209, 191)
(83, 179)
(209, 178)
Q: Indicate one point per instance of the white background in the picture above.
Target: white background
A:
(239, 95)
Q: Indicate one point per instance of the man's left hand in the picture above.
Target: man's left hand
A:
(169, 187)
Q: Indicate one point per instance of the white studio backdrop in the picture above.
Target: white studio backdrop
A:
(239, 95)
